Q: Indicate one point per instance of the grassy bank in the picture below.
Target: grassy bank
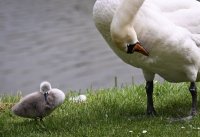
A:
(109, 113)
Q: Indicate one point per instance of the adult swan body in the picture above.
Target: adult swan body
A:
(159, 36)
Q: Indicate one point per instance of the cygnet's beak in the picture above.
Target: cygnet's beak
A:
(137, 47)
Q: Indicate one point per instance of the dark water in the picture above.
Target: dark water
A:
(55, 40)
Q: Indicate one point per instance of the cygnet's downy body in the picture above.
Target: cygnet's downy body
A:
(39, 104)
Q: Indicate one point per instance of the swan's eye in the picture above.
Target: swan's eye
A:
(136, 47)
(130, 48)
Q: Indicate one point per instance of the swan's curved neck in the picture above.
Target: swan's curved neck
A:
(122, 31)
(127, 11)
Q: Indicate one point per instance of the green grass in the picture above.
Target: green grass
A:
(109, 113)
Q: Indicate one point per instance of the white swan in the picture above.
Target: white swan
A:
(39, 104)
(167, 33)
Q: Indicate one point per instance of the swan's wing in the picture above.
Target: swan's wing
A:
(174, 5)
(188, 19)
(196, 38)
(183, 13)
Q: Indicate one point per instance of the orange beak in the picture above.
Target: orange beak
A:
(137, 47)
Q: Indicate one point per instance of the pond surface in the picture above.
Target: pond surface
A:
(56, 40)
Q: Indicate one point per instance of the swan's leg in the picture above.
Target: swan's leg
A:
(149, 92)
(193, 91)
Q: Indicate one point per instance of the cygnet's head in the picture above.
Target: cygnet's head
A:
(45, 86)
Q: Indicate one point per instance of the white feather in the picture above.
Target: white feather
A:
(78, 99)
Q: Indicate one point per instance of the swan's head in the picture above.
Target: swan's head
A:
(45, 86)
(125, 38)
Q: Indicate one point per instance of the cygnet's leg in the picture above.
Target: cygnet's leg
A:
(193, 91)
(149, 92)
